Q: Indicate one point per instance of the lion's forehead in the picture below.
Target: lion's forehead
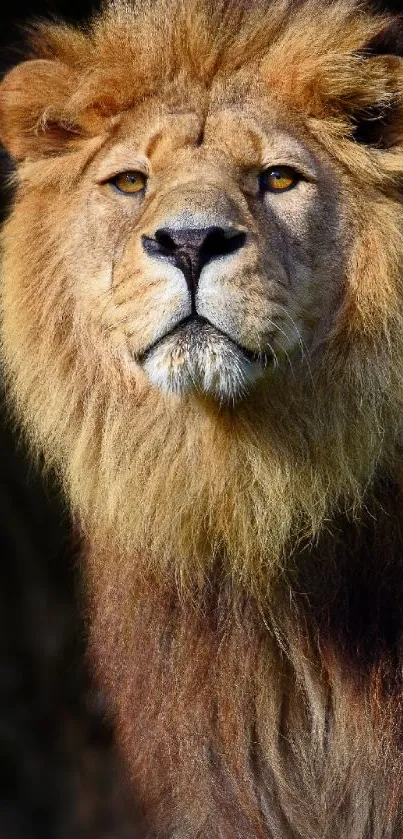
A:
(242, 135)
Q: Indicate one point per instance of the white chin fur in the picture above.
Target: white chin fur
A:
(203, 360)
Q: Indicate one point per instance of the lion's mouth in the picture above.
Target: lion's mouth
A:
(197, 356)
(194, 328)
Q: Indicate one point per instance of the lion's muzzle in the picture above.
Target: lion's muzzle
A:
(190, 249)
(196, 353)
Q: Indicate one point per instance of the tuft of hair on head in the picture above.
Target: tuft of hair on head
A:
(336, 58)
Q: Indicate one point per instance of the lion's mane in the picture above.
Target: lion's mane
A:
(243, 562)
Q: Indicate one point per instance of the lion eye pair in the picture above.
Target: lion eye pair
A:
(274, 179)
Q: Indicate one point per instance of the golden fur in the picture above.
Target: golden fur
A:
(237, 503)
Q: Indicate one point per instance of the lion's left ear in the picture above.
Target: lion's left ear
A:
(33, 120)
(378, 117)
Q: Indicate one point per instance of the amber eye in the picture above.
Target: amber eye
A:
(278, 179)
(129, 182)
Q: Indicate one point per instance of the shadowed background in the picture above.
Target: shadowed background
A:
(59, 776)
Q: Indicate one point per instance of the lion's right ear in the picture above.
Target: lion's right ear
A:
(34, 120)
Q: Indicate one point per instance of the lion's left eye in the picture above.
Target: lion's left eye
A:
(278, 179)
(129, 182)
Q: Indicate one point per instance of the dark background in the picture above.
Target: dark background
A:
(59, 776)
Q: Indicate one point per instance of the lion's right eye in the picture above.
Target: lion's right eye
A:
(279, 179)
(129, 182)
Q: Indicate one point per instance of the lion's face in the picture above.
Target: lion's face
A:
(219, 244)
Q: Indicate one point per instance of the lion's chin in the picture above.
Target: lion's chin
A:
(203, 360)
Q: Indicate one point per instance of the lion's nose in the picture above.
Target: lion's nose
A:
(190, 249)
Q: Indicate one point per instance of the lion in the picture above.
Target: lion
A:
(202, 336)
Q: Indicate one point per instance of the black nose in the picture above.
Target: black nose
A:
(191, 249)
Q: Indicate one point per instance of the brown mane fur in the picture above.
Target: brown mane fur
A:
(246, 614)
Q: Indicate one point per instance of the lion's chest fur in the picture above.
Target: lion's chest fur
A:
(248, 721)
